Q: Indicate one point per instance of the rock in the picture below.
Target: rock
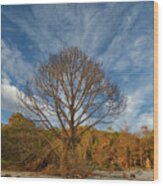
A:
(132, 175)
(6, 175)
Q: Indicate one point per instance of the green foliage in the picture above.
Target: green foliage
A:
(26, 147)
(21, 141)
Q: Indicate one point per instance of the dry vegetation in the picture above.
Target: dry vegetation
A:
(68, 97)
(25, 148)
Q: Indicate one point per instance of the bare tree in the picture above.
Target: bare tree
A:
(71, 90)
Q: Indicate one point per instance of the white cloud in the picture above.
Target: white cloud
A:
(9, 100)
(145, 119)
(90, 28)
(15, 70)
(117, 35)
(134, 115)
(87, 26)
(14, 65)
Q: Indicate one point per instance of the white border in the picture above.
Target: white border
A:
(47, 182)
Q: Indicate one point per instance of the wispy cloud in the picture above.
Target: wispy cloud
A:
(14, 66)
(135, 115)
(15, 72)
(118, 34)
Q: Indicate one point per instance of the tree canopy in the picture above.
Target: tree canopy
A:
(71, 90)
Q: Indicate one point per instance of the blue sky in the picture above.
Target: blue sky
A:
(120, 35)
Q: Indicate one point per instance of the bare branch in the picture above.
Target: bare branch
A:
(72, 88)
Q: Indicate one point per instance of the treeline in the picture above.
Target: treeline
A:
(26, 147)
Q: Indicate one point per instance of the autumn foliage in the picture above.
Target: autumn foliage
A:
(27, 147)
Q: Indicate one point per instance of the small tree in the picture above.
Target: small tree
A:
(71, 90)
